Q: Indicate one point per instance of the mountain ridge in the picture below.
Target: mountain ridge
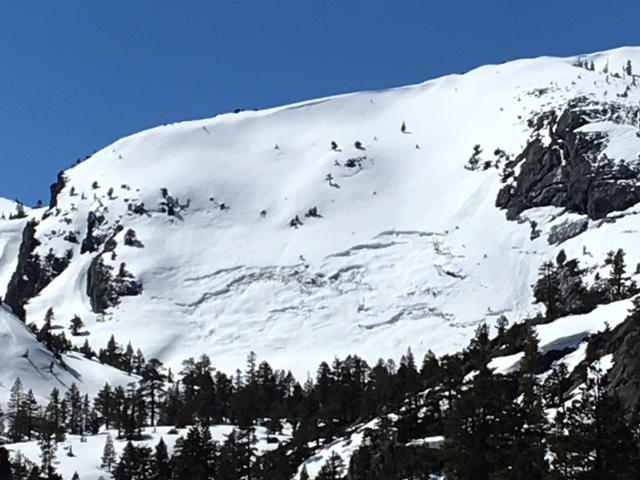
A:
(403, 241)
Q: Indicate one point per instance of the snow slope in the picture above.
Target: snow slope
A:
(10, 238)
(7, 207)
(409, 251)
(22, 356)
(87, 454)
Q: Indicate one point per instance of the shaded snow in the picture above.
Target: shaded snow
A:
(22, 356)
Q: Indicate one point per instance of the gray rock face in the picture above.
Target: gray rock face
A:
(33, 273)
(92, 240)
(624, 376)
(563, 232)
(568, 173)
(56, 188)
(104, 289)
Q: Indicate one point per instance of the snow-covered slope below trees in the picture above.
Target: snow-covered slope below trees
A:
(398, 244)
(23, 357)
(86, 452)
(7, 207)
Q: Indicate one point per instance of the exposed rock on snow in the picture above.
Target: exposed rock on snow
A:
(569, 170)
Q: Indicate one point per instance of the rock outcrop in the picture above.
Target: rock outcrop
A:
(33, 273)
(569, 170)
(105, 289)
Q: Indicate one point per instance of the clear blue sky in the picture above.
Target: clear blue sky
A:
(76, 75)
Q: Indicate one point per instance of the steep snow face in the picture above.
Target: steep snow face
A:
(405, 247)
(22, 356)
(10, 237)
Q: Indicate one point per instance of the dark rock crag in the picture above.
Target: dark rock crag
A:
(569, 172)
(33, 273)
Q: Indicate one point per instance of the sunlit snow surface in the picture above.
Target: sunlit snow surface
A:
(409, 250)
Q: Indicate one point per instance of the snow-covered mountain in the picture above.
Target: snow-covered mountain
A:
(253, 231)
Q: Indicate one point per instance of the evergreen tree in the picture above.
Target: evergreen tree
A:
(48, 449)
(76, 325)
(620, 284)
(527, 450)
(74, 404)
(547, 289)
(161, 462)
(194, 455)
(152, 386)
(15, 412)
(135, 463)
(112, 354)
(105, 405)
(5, 465)
(479, 350)
(333, 469)
(108, 454)
(31, 409)
(56, 415)
(556, 386)
(480, 426)
(45, 335)
(592, 439)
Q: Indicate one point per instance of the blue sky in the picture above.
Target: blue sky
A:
(76, 75)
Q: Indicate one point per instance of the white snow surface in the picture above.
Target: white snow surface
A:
(7, 207)
(87, 455)
(22, 356)
(409, 251)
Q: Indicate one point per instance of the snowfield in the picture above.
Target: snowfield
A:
(87, 452)
(396, 243)
(22, 356)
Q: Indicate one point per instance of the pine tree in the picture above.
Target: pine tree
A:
(592, 438)
(5, 465)
(112, 354)
(105, 405)
(31, 409)
(152, 386)
(333, 469)
(556, 386)
(547, 289)
(48, 449)
(480, 427)
(135, 463)
(74, 403)
(56, 415)
(529, 448)
(15, 412)
(531, 363)
(618, 281)
(108, 454)
(304, 475)
(76, 325)
(86, 350)
(479, 349)
(45, 335)
(161, 462)
(193, 455)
